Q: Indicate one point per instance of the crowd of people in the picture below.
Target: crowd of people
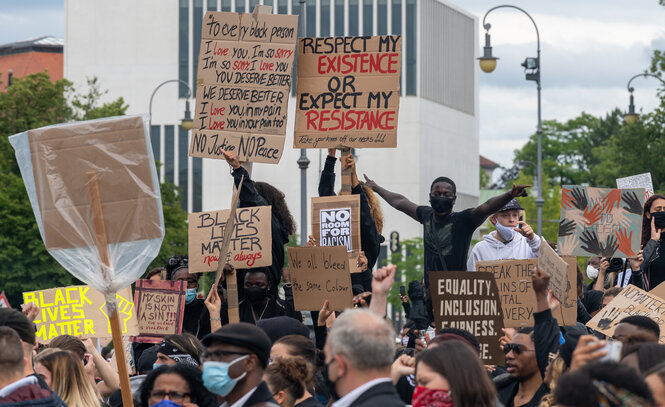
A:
(357, 357)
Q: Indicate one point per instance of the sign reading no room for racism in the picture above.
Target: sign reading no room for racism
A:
(348, 91)
(336, 227)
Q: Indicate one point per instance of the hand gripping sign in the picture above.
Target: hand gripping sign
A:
(95, 195)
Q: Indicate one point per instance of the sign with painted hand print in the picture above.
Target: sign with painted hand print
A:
(600, 221)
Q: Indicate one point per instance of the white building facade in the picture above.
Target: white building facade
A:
(133, 46)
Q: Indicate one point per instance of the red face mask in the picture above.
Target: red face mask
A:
(424, 397)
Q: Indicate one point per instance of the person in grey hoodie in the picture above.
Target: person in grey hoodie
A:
(513, 238)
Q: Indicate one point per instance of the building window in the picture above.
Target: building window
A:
(183, 147)
(183, 47)
(382, 18)
(169, 153)
(396, 6)
(226, 5)
(325, 18)
(411, 32)
(367, 17)
(212, 5)
(339, 18)
(154, 141)
(198, 23)
(354, 23)
(197, 191)
(283, 7)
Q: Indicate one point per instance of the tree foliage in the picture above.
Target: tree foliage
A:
(410, 261)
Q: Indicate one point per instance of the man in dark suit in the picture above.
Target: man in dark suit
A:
(234, 360)
(359, 353)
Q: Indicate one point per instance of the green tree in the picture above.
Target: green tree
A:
(410, 261)
(485, 179)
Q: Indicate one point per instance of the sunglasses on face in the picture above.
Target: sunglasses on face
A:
(516, 348)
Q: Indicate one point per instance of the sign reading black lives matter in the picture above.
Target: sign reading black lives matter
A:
(243, 83)
(336, 227)
(469, 301)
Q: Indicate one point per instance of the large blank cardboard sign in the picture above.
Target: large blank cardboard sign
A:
(600, 221)
(160, 306)
(251, 239)
(631, 301)
(557, 268)
(243, 83)
(469, 301)
(319, 274)
(348, 91)
(80, 311)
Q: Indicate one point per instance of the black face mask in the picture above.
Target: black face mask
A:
(256, 294)
(329, 383)
(441, 204)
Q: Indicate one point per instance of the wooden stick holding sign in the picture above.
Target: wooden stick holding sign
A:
(224, 257)
(347, 178)
(111, 302)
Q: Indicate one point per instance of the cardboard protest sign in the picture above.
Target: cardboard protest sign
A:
(658, 291)
(243, 83)
(331, 224)
(319, 274)
(160, 306)
(469, 301)
(348, 91)
(557, 268)
(631, 301)
(80, 311)
(566, 313)
(600, 222)
(251, 240)
(637, 181)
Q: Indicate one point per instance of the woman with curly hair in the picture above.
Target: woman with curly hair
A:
(181, 384)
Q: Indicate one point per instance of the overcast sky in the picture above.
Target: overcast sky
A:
(590, 48)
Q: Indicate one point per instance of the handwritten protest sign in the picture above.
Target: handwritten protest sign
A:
(469, 301)
(348, 91)
(243, 83)
(160, 306)
(319, 274)
(631, 301)
(557, 268)
(251, 240)
(600, 222)
(80, 311)
(637, 181)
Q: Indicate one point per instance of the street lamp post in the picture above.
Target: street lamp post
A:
(532, 69)
(187, 122)
(632, 116)
(303, 161)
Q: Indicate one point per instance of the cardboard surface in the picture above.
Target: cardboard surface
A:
(469, 301)
(160, 306)
(243, 83)
(637, 181)
(319, 274)
(251, 240)
(600, 221)
(348, 92)
(325, 207)
(631, 301)
(557, 268)
(79, 311)
(61, 157)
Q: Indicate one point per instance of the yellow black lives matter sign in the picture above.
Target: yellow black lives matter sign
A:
(79, 311)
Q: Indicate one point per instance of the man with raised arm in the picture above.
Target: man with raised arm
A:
(447, 234)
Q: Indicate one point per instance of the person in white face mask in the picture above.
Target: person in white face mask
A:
(513, 238)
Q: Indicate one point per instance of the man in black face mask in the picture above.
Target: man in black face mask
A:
(447, 234)
(257, 303)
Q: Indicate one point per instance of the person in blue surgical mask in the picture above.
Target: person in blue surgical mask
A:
(177, 268)
(233, 364)
(513, 239)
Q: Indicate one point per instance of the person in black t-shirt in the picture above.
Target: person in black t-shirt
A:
(447, 234)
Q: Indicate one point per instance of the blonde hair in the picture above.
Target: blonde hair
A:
(557, 370)
(68, 378)
(374, 208)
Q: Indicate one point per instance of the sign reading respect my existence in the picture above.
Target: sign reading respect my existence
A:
(251, 240)
(348, 91)
(80, 311)
(243, 83)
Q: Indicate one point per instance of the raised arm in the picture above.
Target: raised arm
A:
(395, 200)
(248, 194)
(327, 180)
(482, 212)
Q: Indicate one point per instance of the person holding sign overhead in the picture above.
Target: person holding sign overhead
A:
(447, 234)
(260, 194)
(512, 240)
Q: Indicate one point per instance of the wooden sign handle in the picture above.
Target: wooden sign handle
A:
(346, 173)
(111, 305)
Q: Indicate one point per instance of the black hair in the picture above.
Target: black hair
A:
(409, 324)
(644, 323)
(577, 389)
(446, 180)
(276, 200)
(176, 262)
(20, 323)
(471, 338)
(193, 376)
(527, 330)
(648, 354)
(259, 270)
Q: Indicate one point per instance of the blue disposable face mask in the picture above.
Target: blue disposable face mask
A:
(507, 233)
(216, 377)
(155, 366)
(190, 295)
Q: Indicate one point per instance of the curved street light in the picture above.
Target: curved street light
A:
(631, 116)
(532, 69)
(187, 123)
